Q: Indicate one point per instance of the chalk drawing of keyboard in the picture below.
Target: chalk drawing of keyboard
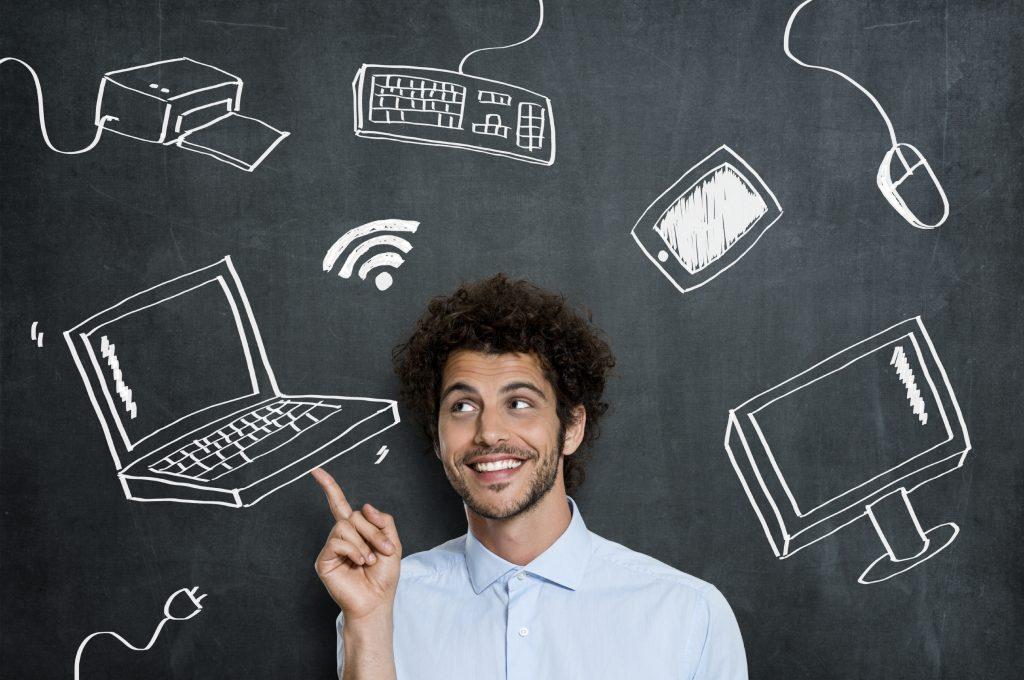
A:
(446, 108)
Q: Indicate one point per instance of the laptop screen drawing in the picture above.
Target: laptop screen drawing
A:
(168, 360)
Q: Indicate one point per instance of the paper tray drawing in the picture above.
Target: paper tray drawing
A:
(206, 421)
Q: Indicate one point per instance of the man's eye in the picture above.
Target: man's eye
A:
(461, 407)
(519, 403)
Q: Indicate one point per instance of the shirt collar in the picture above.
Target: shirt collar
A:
(562, 563)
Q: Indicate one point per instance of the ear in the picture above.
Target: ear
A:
(574, 431)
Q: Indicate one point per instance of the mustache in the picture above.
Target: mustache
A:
(500, 449)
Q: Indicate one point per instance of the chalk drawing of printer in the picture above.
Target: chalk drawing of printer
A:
(186, 103)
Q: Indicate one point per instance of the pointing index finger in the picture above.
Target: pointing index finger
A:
(335, 496)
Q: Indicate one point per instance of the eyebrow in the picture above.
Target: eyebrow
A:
(459, 386)
(511, 387)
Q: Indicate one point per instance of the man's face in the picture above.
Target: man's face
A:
(498, 432)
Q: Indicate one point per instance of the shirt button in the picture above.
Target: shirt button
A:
(520, 576)
(524, 631)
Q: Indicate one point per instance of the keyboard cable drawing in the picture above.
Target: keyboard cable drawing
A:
(895, 161)
(439, 107)
(707, 220)
(376, 234)
(207, 423)
(179, 102)
(853, 436)
(192, 607)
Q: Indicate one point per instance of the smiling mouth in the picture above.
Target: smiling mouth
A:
(498, 465)
(493, 472)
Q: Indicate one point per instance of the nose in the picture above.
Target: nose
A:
(491, 429)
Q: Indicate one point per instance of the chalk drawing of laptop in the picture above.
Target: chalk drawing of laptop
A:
(188, 402)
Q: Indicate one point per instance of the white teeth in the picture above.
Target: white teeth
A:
(497, 465)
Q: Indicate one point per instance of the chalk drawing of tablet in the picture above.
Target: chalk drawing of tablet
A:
(707, 220)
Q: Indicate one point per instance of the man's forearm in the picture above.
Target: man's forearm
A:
(369, 654)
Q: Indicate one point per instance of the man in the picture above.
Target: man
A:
(507, 381)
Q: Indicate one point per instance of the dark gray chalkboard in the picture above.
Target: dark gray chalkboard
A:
(640, 92)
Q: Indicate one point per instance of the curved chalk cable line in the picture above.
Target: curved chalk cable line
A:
(540, 22)
(42, 116)
(863, 90)
(156, 633)
(152, 641)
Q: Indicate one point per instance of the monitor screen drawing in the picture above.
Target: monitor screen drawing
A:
(852, 436)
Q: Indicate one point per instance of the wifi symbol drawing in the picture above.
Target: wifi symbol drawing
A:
(364, 239)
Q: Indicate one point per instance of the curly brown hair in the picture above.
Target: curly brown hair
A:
(499, 315)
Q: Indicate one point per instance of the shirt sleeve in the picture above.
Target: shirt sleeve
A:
(341, 645)
(722, 656)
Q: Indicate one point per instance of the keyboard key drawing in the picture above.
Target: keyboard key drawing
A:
(206, 423)
(707, 220)
(183, 102)
(438, 107)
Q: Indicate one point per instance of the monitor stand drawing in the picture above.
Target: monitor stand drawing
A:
(906, 543)
(851, 437)
(180, 381)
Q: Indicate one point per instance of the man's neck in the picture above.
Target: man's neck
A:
(522, 538)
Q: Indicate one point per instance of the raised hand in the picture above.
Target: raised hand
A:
(361, 560)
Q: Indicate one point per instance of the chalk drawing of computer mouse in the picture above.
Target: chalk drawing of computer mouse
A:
(902, 164)
(904, 176)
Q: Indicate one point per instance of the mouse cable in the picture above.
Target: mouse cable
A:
(785, 46)
(42, 117)
(540, 22)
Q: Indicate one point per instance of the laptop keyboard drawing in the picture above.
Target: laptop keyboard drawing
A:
(188, 402)
(244, 439)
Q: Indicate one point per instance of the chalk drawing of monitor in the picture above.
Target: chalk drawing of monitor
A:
(853, 435)
(188, 402)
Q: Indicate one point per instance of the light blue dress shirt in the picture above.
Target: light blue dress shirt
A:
(584, 608)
